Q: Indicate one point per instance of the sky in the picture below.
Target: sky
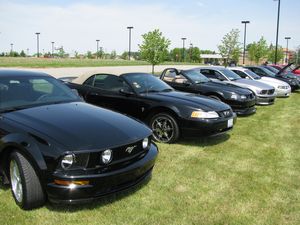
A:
(76, 25)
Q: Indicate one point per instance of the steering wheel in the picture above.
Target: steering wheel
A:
(43, 96)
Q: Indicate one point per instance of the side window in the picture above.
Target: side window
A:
(169, 76)
(89, 81)
(179, 79)
(111, 83)
(257, 71)
(41, 85)
(240, 73)
(208, 73)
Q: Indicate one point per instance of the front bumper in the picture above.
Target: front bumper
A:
(205, 127)
(265, 100)
(283, 92)
(243, 107)
(103, 183)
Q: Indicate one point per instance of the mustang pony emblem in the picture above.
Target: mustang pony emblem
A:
(130, 149)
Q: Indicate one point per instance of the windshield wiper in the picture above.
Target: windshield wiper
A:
(12, 109)
(167, 90)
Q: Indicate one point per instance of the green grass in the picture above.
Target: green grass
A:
(250, 176)
(56, 63)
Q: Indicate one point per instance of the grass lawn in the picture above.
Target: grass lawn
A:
(49, 62)
(250, 176)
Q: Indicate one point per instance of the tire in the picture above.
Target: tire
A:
(165, 128)
(25, 184)
(215, 97)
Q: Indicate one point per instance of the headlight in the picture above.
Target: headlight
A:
(243, 97)
(283, 87)
(106, 156)
(204, 115)
(145, 143)
(67, 161)
(234, 96)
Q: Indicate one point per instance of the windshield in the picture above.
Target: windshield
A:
(268, 72)
(252, 74)
(272, 69)
(18, 92)
(230, 75)
(144, 83)
(196, 76)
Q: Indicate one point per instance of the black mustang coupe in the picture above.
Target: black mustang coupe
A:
(55, 146)
(168, 113)
(241, 100)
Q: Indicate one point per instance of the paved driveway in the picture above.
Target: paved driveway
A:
(77, 71)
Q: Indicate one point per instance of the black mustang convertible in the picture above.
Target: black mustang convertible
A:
(241, 100)
(54, 146)
(168, 113)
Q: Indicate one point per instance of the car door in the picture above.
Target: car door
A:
(114, 93)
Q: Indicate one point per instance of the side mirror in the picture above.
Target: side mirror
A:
(126, 92)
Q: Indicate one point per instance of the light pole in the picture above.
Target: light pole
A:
(27, 51)
(129, 28)
(183, 41)
(287, 49)
(37, 43)
(11, 47)
(97, 52)
(245, 32)
(191, 51)
(276, 47)
(52, 50)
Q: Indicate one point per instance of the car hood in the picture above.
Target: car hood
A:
(80, 126)
(253, 84)
(190, 100)
(273, 81)
(226, 87)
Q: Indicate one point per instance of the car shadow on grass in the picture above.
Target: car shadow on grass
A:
(99, 202)
(204, 141)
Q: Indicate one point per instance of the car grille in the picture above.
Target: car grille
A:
(251, 96)
(225, 113)
(267, 92)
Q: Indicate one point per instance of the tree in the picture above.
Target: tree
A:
(230, 47)
(113, 55)
(258, 50)
(271, 53)
(176, 54)
(89, 55)
(194, 54)
(154, 48)
(22, 53)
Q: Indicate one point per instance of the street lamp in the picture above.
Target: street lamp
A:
(245, 32)
(11, 47)
(191, 51)
(97, 53)
(52, 50)
(276, 47)
(183, 40)
(287, 49)
(37, 43)
(129, 28)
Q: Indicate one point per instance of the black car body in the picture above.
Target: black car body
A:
(241, 100)
(167, 112)
(262, 71)
(55, 146)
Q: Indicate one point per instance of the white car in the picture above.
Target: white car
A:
(265, 94)
(282, 89)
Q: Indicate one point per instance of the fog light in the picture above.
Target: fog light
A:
(71, 183)
(145, 143)
(106, 156)
(67, 161)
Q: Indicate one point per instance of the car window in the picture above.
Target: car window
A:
(209, 73)
(240, 73)
(110, 83)
(90, 81)
(42, 85)
(169, 75)
(196, 76)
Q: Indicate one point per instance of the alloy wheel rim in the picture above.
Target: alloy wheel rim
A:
(16, 181)
(163, 129)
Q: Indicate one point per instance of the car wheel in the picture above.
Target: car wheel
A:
(25, 184)
(215, 97)
(165, 128)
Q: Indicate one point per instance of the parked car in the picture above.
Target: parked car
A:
(288, 71)
(241, 100)
(264, 72)
(55, 146)
(265, 94)
(168, 113)
(282, 89)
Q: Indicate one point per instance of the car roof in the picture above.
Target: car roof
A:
(237, 68)
(210, 67)
(22, 73)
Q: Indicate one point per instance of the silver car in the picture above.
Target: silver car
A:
(282, 89)
(265, 94)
